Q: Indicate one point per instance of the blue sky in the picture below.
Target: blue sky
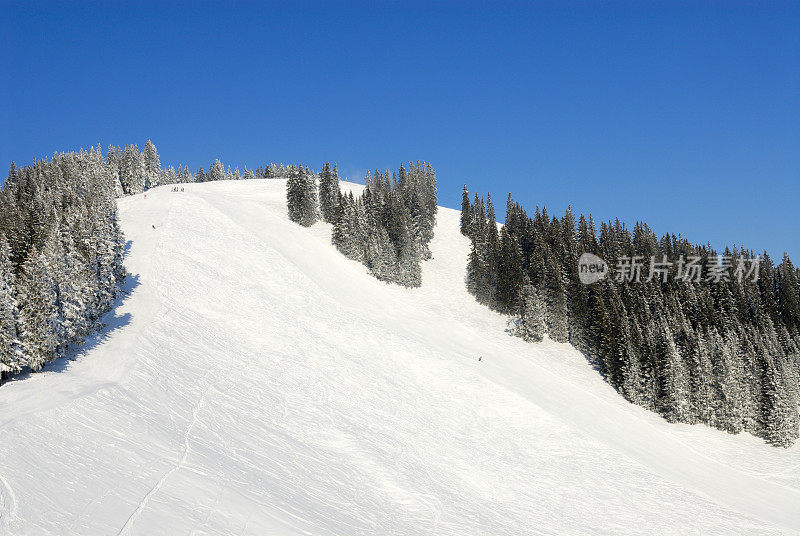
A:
(683, 114)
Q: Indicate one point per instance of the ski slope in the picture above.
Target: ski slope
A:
(254, 381)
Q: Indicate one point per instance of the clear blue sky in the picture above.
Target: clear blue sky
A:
(684, 114)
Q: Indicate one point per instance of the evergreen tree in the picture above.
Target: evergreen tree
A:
(788, 294)
(466, 215)
(530, 324)
(152, 165)
(509, 272)
(9, 350)
(328, 192)
(301, 196)
(675, 398)
(781, 426)
(38, 314)
(309, 199)
(132, 171)
(216, 172)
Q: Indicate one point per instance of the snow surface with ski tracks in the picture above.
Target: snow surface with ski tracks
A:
(254, 381)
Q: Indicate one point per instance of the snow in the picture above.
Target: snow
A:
(254, 381)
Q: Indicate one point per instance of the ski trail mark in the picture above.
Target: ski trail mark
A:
(146, 499)
(9, 501)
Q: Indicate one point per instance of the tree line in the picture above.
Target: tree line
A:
(61, 252)
(133, 171)
(724, 352)
(387, 228)
(61, 248)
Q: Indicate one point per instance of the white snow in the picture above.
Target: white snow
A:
(257, 382)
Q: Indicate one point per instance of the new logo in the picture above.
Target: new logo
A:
(591, 268)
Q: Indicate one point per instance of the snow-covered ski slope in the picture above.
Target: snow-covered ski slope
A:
(256, 382)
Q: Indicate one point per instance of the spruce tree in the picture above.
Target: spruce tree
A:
(466, 216)
(132, 172)
(38, 314)
(529, 324)
(509, 272)
(781, 419)
(294, 195)
(9, 345)
(328, 192)
(152, 165)
(309, 201)
(675, 399)
(216, 172)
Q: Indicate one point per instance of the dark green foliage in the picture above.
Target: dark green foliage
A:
(389, 226)
(530, 324)
(721, 353)
(328, 192)
(301, 196)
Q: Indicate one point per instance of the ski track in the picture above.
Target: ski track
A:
(146, 499)
(263, 384)
(9, 503)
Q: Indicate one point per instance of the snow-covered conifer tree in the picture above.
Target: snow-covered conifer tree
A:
(216, 172)
(529, 324)
(328, 192)
(9, 347)
(37, 310)
(152, 165)
(132, 171)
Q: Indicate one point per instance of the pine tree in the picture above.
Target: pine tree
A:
(557, 323)
(530, 324)
(703, 402)
(294, 195)
(675, 398)
(381, 255)
(728, 383)
(132, 171)
(509, 272)
(492, 248)
(788, 291)
(466, 216)
(781, 420)
(310, 202)
(328, 192)
(152, 165)
(74, 292)
(38, 314)
(9, 345)
(112, 170)
(633, 380)
(216, 172)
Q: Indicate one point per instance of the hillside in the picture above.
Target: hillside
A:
(254, 381)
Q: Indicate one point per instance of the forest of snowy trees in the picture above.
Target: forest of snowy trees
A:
(724, 351)
(61, 248)
(387, 228)
(61, 255)
(134, 171)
